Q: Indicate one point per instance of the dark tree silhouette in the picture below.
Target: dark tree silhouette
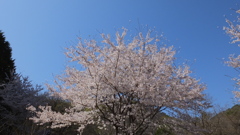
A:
(7, 66)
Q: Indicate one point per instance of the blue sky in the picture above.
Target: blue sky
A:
(38, 32)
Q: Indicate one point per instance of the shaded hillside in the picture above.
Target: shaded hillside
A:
(227, 122)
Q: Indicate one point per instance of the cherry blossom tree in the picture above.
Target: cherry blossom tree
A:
(234, 61)
(122, 84)
(16, 95)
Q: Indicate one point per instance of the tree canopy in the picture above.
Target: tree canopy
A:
(7, 66)
(123, 84)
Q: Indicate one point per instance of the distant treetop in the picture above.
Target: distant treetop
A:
(7, 66)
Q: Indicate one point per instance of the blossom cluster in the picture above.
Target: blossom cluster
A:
(234, 61)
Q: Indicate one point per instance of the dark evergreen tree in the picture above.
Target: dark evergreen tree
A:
(7, 66)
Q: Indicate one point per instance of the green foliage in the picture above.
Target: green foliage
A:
(7, 67)
(234, 111)
(58, 104)
(91, 130)
(70, 130)
(163, 131)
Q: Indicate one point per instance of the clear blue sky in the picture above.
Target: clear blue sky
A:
(38, 32)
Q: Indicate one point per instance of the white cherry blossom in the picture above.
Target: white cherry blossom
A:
(122, 84)
(234, 60)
